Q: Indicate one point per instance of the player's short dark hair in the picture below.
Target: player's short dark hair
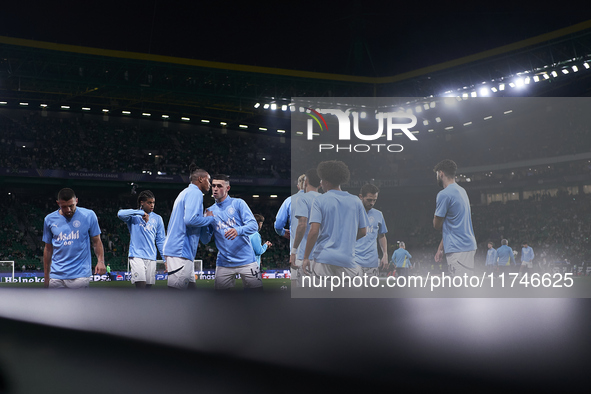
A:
(504, 242)
(312, 177)
(259, 218)
(66, 194)
(144, 196)
(524, 243)
(333, 171)
(195, 172)
(448, 167)
(491, 243)
(221, 177)
(368, 188)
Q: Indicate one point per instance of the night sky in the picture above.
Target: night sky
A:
(372, 39)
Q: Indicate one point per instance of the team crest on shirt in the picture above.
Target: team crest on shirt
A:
(231, 211)
(372, 220)
(76, 223)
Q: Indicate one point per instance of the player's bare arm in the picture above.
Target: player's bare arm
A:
(300, 231)
(361, 232)
(47, 253)
(437, 223)
(310, 242)
(439, 254)
(97, 245)
(384, 246)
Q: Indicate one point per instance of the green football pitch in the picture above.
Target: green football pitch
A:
(268, 284)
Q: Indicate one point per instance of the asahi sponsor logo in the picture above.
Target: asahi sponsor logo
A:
(68, 238)
(231, 222)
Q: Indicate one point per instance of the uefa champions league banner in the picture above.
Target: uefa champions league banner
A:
(131, 177)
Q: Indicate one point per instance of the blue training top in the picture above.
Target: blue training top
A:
(70, 239)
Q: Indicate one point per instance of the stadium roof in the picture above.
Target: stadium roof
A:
(59, 75)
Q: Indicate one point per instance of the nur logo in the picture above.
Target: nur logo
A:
(394, 121)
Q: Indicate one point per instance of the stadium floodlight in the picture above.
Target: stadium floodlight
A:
(546, 76)
(418, 109)
(526, 80)
(65, 107)
(204, 121)
(512, 84)
(85, 109)
(449, 128)
(146, 114)
(185, 119)
(223, 124)
(281, 131)
(554, 73)
(255, 195)
(23, 104)
(257, 105)
(494, 89)
(273, 107)
(484, 92)
(431, 130)
(363, 115)
(473, 94)
(488, 118)
(438, 119)
(465, 95)
(467, 123)
(284, 107)
(501, 86)
(3, 102)
(519, 82)
(432, 104)
(266, 106)
(565, 71)
(508, 112)
(575, 68)
(273, 196)
(292, 108)
(302, 109)
(586, 65)
(43, 105)
(126, 112)
(300, 132)
(425, 122)
(263, 159)
(426, 106)
(165, 116)
(262, 128)
(243, 126)
(536, 78)
(105, 110)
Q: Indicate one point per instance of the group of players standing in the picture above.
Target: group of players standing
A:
(339, 234)
(68, 232)
(331, 234)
